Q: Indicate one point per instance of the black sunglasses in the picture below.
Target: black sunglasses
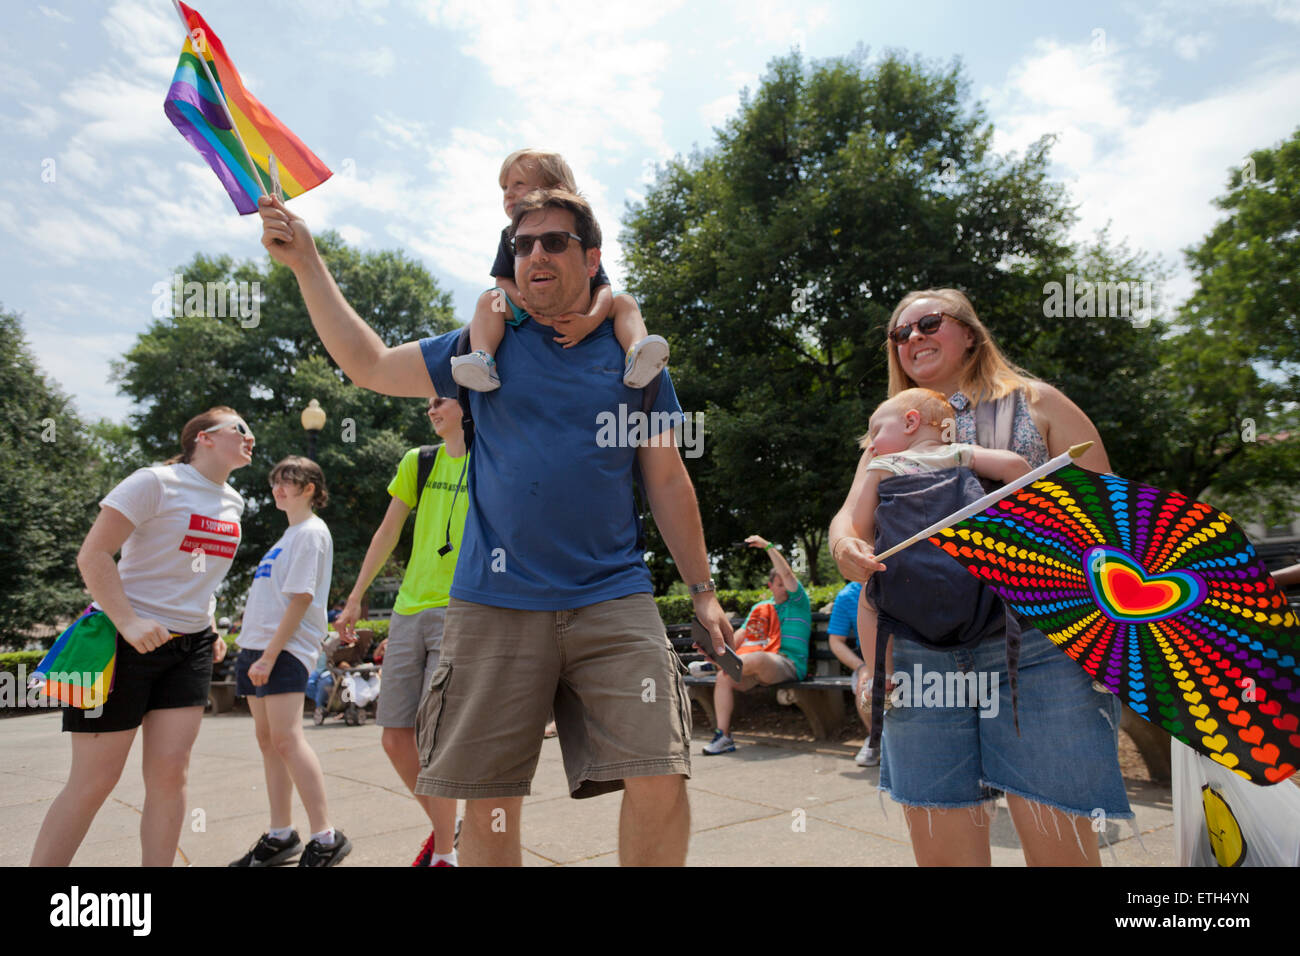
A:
(928, 324)
(552, 242)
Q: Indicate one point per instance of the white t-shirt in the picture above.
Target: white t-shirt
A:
(185, 537)
(299, 563)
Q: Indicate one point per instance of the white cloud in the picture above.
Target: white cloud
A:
(378, 62)
(1151, 170)
(79, 363)
(150, 35)
(53, 14)
(123, 111)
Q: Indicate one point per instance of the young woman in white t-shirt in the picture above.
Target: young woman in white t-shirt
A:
(284, 625)
(177, 525)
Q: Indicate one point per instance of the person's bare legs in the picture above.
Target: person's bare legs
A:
(279, 783)
(654, 824)
(97, 762)
(951, 837)
(757, 667)
(169, 736)
(1063, 841)
(399, 744)
(491, 836)
(284, 716)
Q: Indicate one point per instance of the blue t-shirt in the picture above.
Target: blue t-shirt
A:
(552, 522)
(844, 613)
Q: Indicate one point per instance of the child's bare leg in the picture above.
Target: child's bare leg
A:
(629, 326)
(488, 326)
(646, 354)
(478, 370)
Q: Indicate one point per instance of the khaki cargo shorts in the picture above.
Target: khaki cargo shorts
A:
(608, 672)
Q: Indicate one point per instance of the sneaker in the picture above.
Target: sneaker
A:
(702, 668)
(269, 852)
(645, 360)
(720, 744)
(444, 863)
(868, 756)
(477, 371)
(317, 854)
(426, 851)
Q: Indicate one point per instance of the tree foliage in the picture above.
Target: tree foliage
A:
(49, 483)
(270, 370)
(772, 263)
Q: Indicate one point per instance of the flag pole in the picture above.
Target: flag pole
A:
(221, 96)
(975, 507)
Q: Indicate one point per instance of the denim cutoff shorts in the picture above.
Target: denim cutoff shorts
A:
(939, 752)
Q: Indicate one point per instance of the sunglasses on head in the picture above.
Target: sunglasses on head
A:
(927, 324)
(552, 242)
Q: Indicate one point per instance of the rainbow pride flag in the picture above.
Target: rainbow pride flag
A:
(195, 109)
(79, 668)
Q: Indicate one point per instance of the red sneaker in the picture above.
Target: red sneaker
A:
(426, 852)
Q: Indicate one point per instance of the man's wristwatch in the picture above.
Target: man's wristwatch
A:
(703, 588)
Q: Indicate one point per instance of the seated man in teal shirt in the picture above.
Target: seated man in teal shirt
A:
(773, 644)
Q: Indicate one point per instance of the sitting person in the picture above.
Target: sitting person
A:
(773, 644)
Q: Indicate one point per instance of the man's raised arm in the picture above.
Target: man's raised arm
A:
(355, 346)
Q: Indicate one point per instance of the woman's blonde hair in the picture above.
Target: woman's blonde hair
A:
(190, 433)
(986, 375)
(551, 169)
(934, 408)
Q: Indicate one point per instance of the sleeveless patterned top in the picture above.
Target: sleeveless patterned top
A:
(1026, 440)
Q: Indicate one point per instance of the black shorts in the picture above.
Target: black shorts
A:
(175, 675)
(288, 676)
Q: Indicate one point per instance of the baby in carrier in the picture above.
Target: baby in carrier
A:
(915, 478)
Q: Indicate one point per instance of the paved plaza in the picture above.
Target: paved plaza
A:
(770, 803)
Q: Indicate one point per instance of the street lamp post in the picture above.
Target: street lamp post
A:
(313, 420)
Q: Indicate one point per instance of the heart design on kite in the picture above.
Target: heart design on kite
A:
(1125, 592)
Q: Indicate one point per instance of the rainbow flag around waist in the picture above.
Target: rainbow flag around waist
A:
(194, 107)
(78, 669)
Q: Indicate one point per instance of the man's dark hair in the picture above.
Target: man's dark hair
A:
(584, 220)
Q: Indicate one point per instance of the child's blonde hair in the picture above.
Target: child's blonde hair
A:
(934, 408)
(551, 169)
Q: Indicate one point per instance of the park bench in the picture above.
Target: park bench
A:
(820, 695)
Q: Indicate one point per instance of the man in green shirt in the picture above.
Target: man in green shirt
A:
(773, 644)
(415, 629)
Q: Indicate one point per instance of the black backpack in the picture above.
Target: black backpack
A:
(649, 395)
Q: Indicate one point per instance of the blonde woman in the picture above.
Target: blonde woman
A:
(945, 764)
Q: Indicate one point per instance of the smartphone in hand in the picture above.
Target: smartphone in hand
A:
(730, 661)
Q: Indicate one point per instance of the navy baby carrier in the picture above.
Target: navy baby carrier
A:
(924, 595)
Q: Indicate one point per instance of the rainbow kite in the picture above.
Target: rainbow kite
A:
(1160, 598)
(238, 136)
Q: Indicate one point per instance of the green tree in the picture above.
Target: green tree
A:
(1237, 358)
(772, 263)
(49, 484)
(269, 369)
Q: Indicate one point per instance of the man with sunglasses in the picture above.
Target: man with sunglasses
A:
(551, 605)
(415, 630)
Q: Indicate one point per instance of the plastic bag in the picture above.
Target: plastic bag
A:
(1222, 820)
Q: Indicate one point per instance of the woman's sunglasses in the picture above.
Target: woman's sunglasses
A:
(236, 425)
(927, 324)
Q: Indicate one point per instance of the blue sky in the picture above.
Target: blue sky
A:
(414, 102)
